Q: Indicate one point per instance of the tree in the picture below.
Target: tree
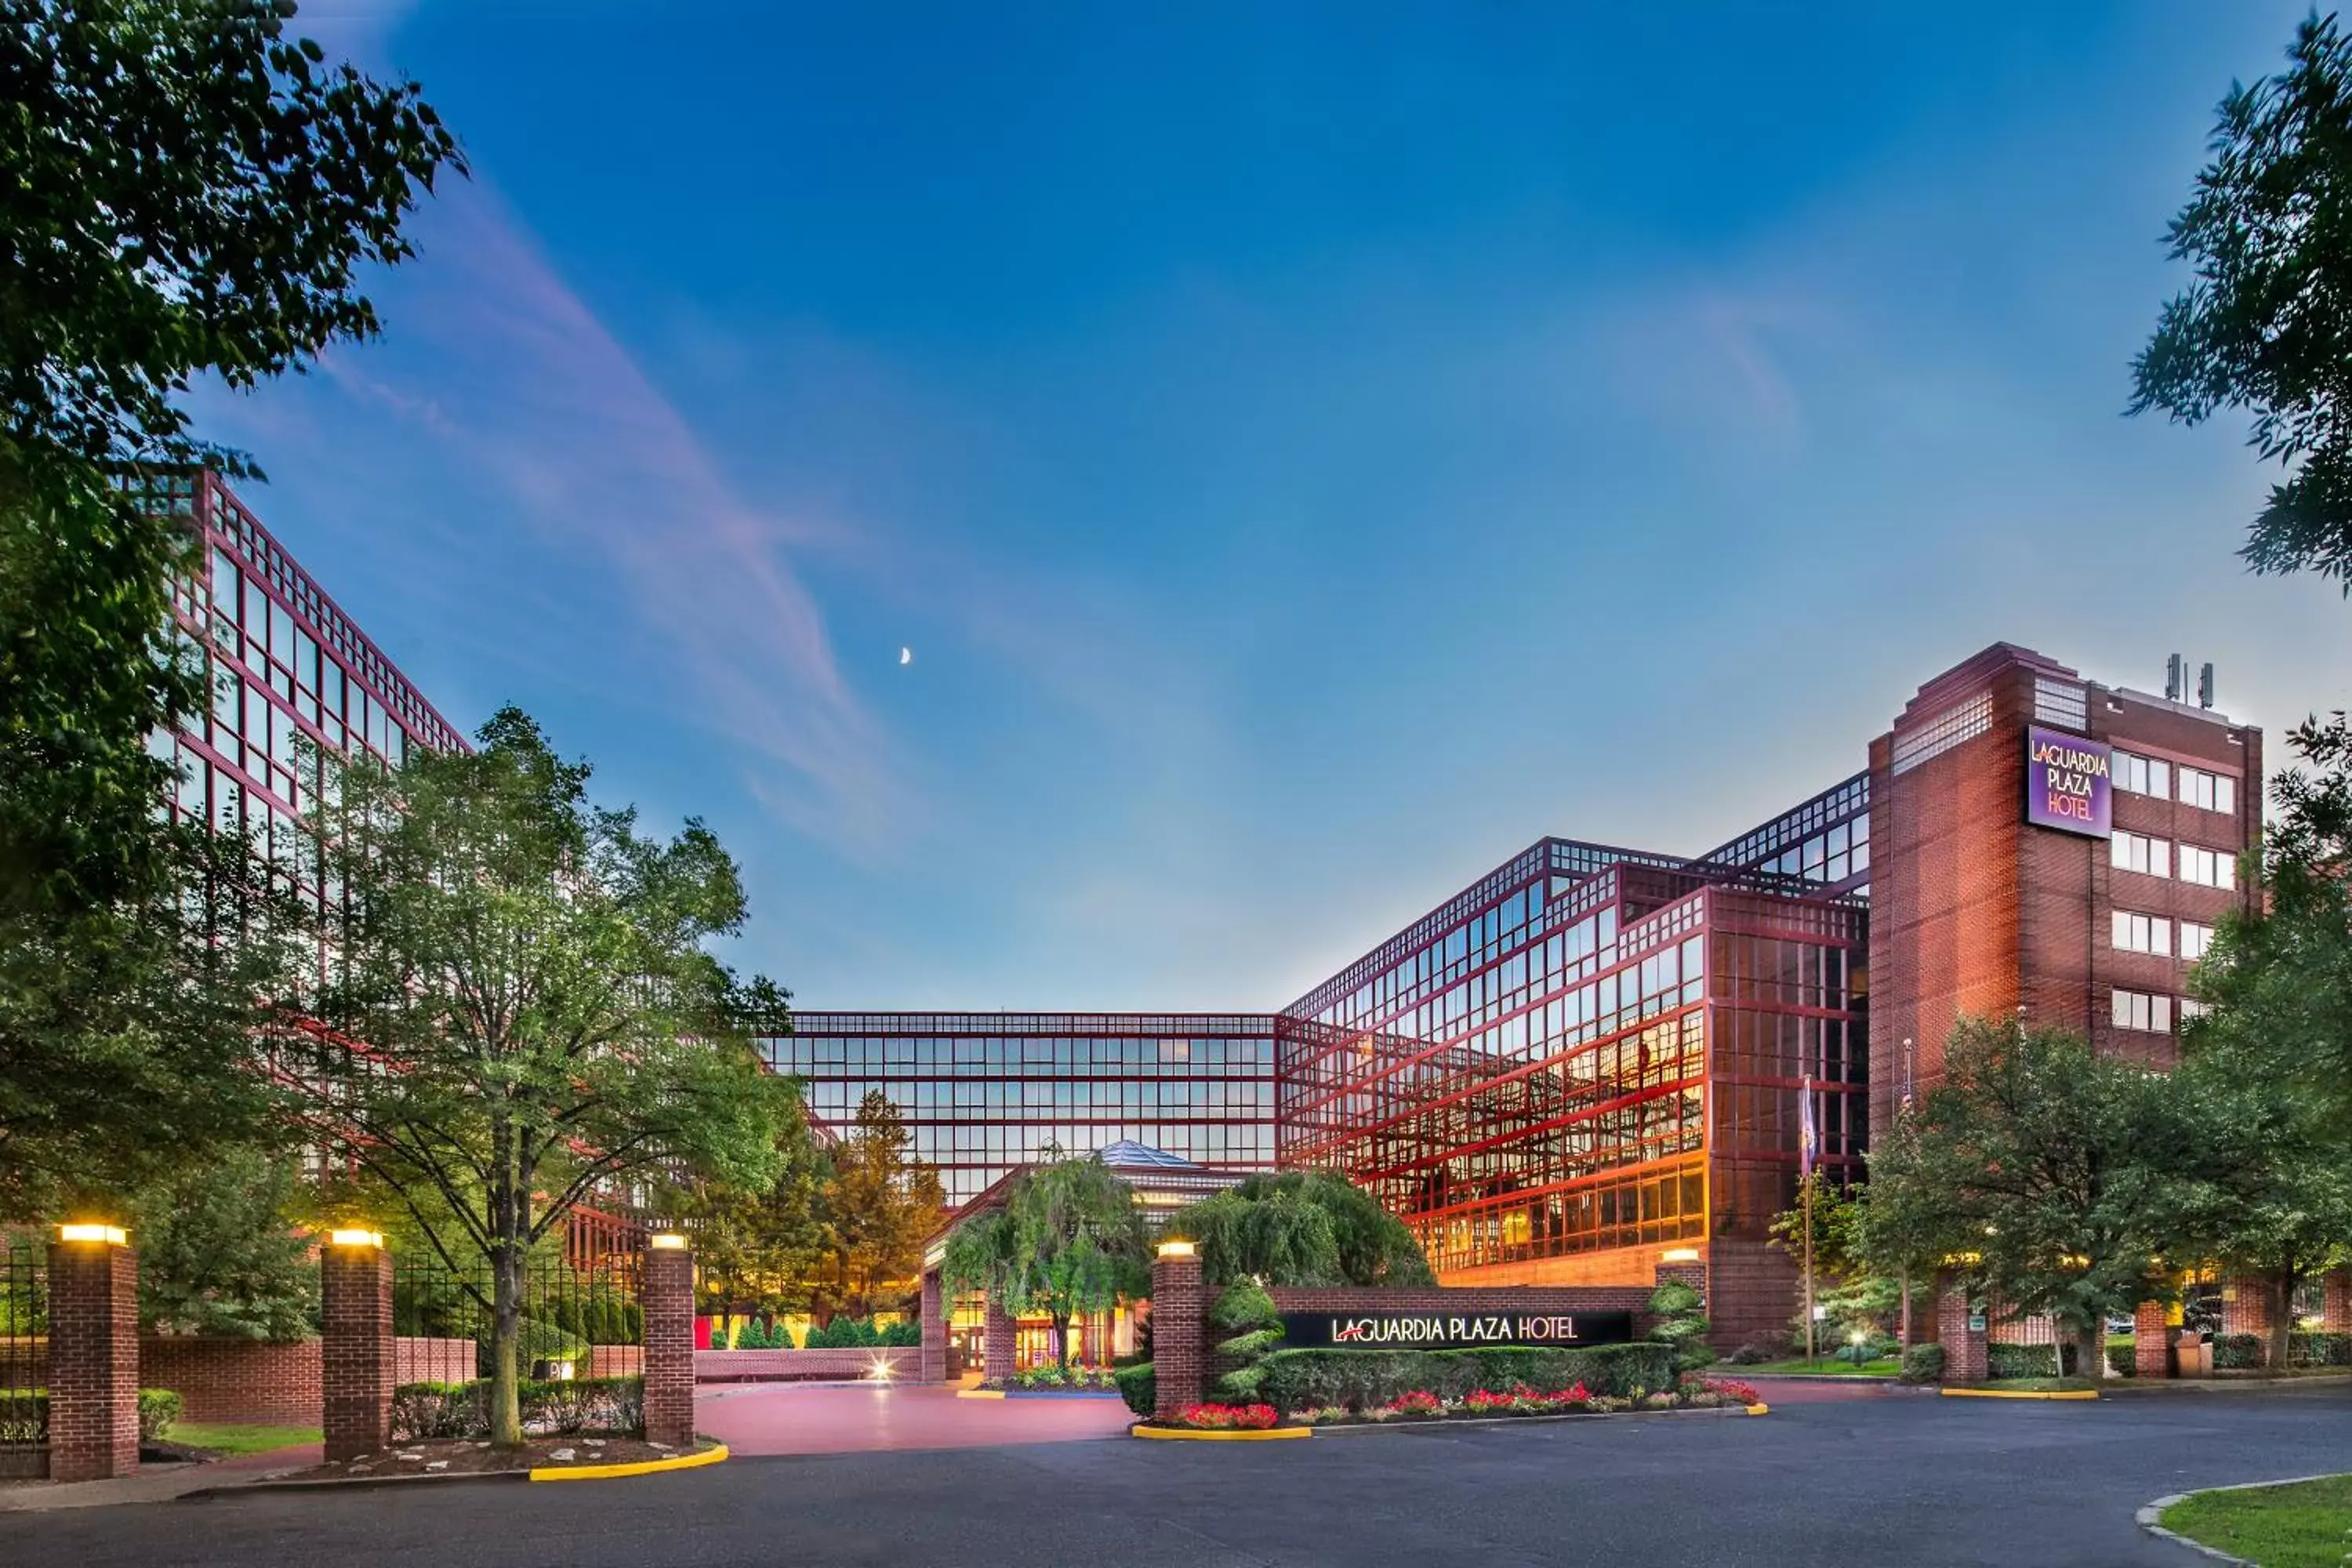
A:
(880, 1205)
(1301, 1227)
(190, 194)
(755, 1244)
(2050, 1179)
(1068, 1242)
(522, 1010)
(219, 1251)
(2267, 324)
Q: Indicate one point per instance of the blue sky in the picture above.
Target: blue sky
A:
(1311, 452)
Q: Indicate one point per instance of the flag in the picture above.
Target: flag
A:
(1809, 1139)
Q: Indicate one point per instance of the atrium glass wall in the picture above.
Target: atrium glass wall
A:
(1591, 1049)
(982, 1092)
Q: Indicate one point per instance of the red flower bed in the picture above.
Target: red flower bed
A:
(1730, 1388)
(1419, 1402)
(1228, 1418)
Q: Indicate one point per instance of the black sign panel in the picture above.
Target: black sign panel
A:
(1393, 1330)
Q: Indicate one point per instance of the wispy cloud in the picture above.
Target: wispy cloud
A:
(538, 399)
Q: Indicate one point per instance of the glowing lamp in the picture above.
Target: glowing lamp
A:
(111, 1234)
(666, 1241)
(1679, 1255)
(1175, 1249)
(355, 1237)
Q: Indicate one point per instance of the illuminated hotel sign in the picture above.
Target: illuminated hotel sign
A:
(2067, 780)
(1443, 1331)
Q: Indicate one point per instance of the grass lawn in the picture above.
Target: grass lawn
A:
(235, 1438)
(2305, 1525)
(1886, 1366)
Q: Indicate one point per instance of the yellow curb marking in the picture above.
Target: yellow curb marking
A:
(2018, 1393)
(1260, 1435)
(980, 1393)
(1759, 1410)
(640, 1467)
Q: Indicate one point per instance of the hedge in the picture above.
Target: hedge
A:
(1309, 1379)
(1139, 1387)
(2237, 1353)
(25, 1414)
(611, 1405)
(2007, 1361)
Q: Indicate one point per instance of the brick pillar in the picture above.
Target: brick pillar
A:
(93, 1360)
(2246, 1310)
(934, 1323)
(1179, 1334)
(1691, 1274)
(2336, 1301)
(355, 1351)
(2151, 1341)
(999, 1358)
(668, 1292)
(1964, 1347)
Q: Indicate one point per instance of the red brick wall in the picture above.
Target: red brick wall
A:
(1754, 1291)
(1180, 1334)
(355, 1350)
(236, 1380)
(934, 1322)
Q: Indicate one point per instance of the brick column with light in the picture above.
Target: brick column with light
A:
(667, 1291)
(93, 1355)
(355, 1348)
(2151, 1341)
(1179, 1349)
(999, 1355)
(1964, 1347)
(934, 1324)
(2336, 1301)
(2246, 1310)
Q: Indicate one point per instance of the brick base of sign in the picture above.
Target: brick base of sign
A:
(933, 1362)
(1960, 1331)
(999, 1347)
(2151, 1341)
(93, 1360)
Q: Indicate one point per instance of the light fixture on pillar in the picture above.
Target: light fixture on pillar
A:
(1679, 1255)
(356, 1238)
(1175, 1249)
(666, 1241)
(111, 1234)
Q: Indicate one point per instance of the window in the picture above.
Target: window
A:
(1960, 722)
(2195, 939)
(2213, 792)
(2137, 852)
(2142, 933)
(2208, 867)
(2139, 1010)
(2142, 775)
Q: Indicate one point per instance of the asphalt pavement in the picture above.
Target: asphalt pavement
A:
(1856, 1483)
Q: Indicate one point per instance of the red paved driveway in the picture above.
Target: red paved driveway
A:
(837, 1419)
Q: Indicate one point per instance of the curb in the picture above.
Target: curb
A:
(1338, 1427)
(2077, 1393)
(1186, 1435)
(716, 1454)
(980, 1393)
(352, 1484)
(2149, 1518)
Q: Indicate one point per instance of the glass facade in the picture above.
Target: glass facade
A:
(283, 663)
(982, 1092)
(1594, 1047)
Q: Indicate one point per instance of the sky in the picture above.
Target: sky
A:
(1309, 452)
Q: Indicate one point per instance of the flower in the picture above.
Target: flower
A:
(1228, 1418)
(1419, 1402)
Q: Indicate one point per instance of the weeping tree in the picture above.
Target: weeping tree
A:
(1301, 1227)
(521, 1011)
(1069, 1242)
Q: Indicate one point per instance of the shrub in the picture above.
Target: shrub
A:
(1138, 1387)
(2319, 1350)
(1923, 1363)
(1246, 1313)
(1047, 1376)
(2021, 1361)
(158, 1408)
(1362, 1380)
(1728, 1389)
(613, 1406)
(2123, 1360)
(2237, 1353)
(1755, 1352)
(905, 1331)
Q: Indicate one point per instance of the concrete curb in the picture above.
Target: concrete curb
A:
(2069, 1393)
(354, 1484)
(2150, 1517)
(714, 1455)
(1187, 1434)
(1453, 1422)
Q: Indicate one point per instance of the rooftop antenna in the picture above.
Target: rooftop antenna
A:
(2205, 687)
(2176, 678)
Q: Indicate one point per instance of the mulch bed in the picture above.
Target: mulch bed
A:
(458, 1456)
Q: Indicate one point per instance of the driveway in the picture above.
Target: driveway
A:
(1859, 1483)
(759, 1418)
